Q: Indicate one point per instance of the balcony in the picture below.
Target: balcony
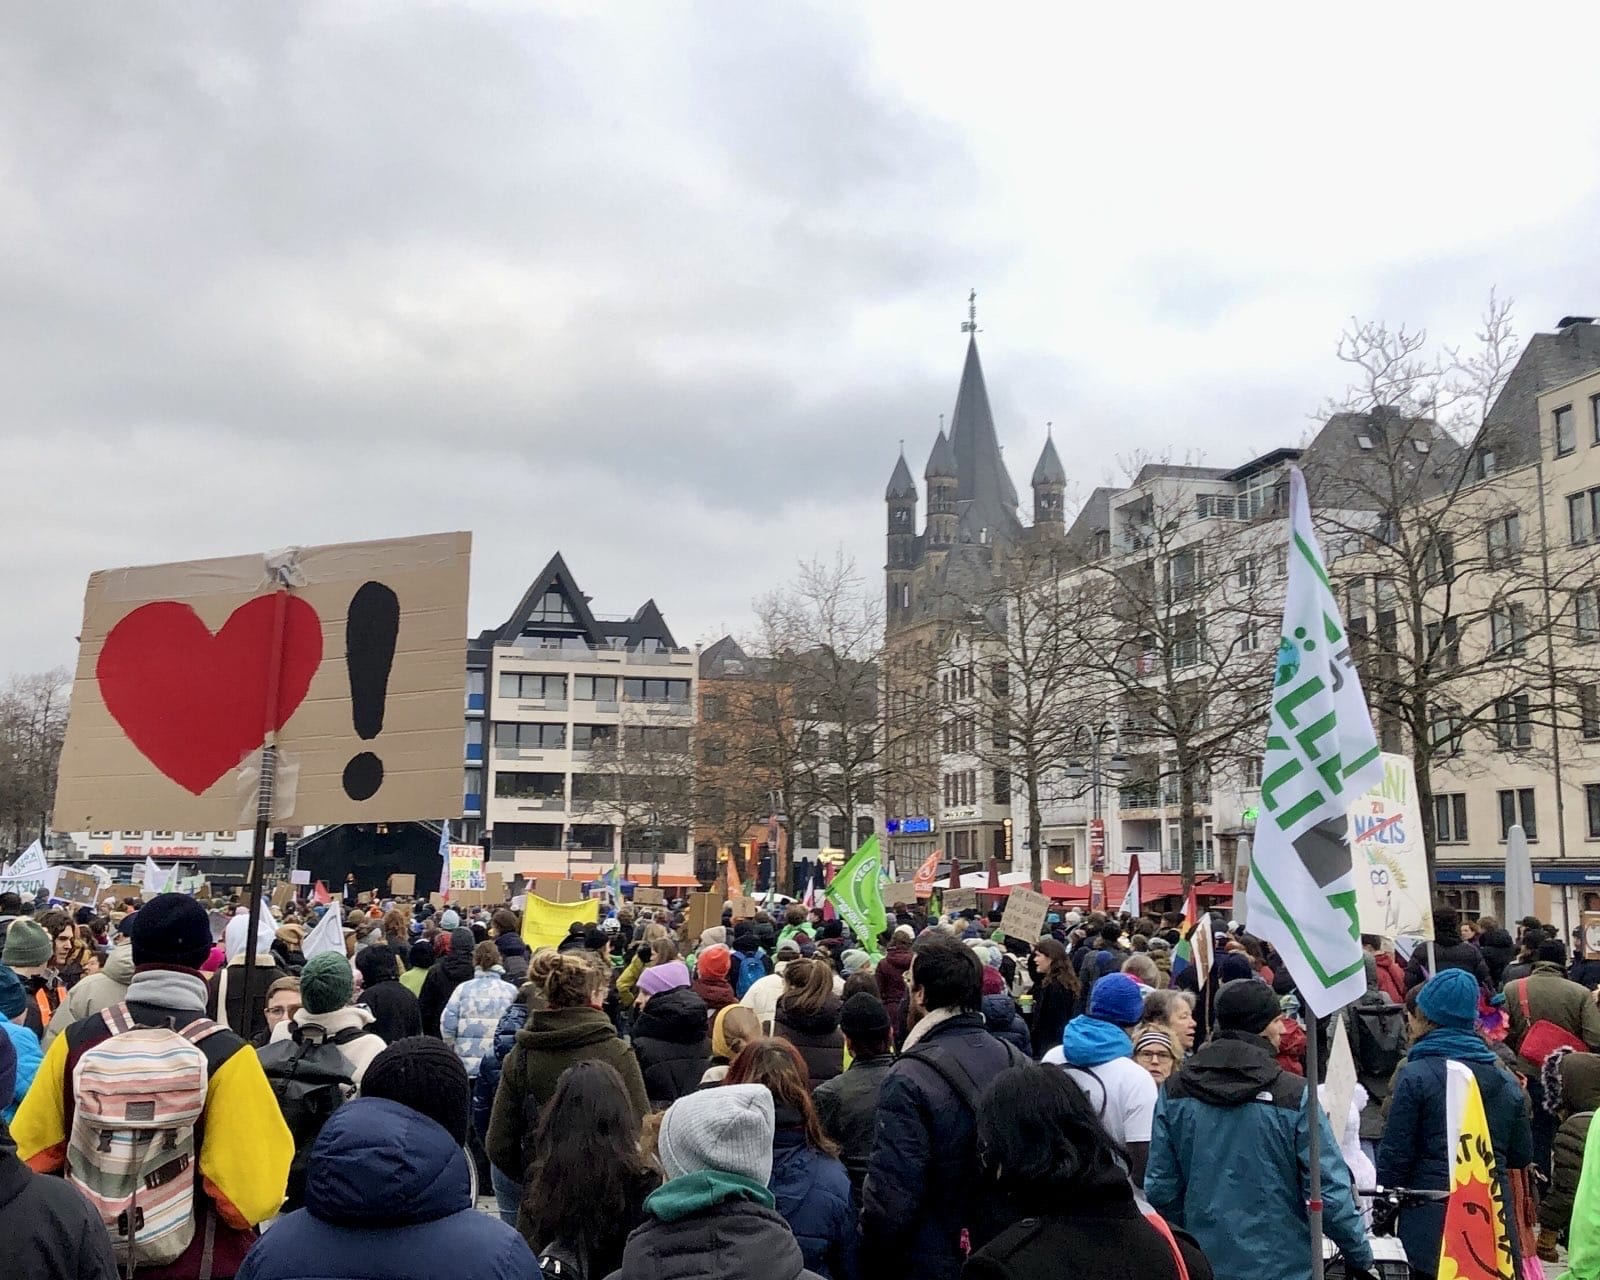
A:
(536, 804)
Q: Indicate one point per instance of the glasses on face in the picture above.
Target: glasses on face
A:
(1154, 1057)
(278, 1012)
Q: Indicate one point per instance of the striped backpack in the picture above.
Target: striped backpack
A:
(138, 1095)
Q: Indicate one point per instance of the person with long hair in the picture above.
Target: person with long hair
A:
(808, 1018)
(732, 1029)
(570, 1029)
(587, 1181)
(1059, 1191)
(808, 1182)
(1056, 993)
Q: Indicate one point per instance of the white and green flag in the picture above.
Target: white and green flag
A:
(1321, 754)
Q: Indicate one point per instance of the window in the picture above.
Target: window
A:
(1421, 446)
(161, 835)
(1450, 818)
(475, 684)
(649, 737)
(194, 835)
(1505, 540)
(1444, 731)
(810, 832)
(653, 690)
(1000, 680)
(1439, 560)
(1564, 428)
(552, 607)
(1444, 644)
(1508, 630)
(1259, 495)
(530, 737)
(1516, 806)
(99, 835)
(1183, 574)
(1249, 571)
(810, 744)
(590, 737)
(1581, 511)
(1002, 786)
(1221, 505)
(711, 707)
(1591, 802)
(133, 835)
(532, 688)
(529, 786)
(1249, 637)
(595, 688)
(474, 733)
(1365, 441)
(839, 832)
(473, 782)
(1487, 463)
(1586, 615)
(716, 752)
(1589, 710)
(1513, 722)
(864, 827)
(1594, 417)
(1250, 773)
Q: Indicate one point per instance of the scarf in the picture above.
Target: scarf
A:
(1447, 1042)
(180, 990)
(929, 1021)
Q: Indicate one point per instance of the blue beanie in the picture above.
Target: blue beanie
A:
(1116, 999)
(1450, 999)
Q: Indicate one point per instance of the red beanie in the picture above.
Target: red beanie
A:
(993, 983)
(714, 961)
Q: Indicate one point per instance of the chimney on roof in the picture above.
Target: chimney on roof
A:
(1568, 322)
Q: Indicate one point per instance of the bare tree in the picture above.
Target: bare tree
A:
(1454, 600)
(33, 723)
(643, 776)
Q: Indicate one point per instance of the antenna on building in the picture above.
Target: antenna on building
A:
(970, 324)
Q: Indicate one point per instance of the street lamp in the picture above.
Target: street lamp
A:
(652, 834)
(1115, 767)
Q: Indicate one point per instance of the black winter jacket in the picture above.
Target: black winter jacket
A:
(50, 1232)
(446, 974)
(1498, 951)
(816, 1035)
(1001, 1017)
(1053, 1007)
(848, 1108)
(1105, 1236)
(1455, 955)
(395, 1011)
(735, 1240)
(921, 1186)
(670, 1041)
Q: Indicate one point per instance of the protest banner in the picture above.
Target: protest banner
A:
(28, 887)
(169, 709)
(557, 890)
(403, 886)
(926, 874)
(956, 900)
(1024, 915)
(30, 862)
(466, 867)
(301, 876)
(546, 924)
(78, 887)
(744, 908)
(645, 896)
(494, 888)
(1477, 1237)
(1391, 863)
(282, 895)
(902, 893)
(1590, 920)
(856, 892)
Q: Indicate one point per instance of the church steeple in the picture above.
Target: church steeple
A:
(1049, 488)
(980, 468)
(943, 481)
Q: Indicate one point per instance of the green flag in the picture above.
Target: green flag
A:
(857, 895)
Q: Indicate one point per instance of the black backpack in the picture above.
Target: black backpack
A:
(557, 1262)
(311, 1080)
(1380, 1038)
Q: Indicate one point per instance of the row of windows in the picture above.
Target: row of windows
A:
(961, 787)
(1516, 805)
(164, 835)
(526, 686)
(1564, 426)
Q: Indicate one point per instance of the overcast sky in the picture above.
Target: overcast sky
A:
(663, 288)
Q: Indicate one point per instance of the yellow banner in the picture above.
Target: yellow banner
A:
(544, 924)
(1476, 1244)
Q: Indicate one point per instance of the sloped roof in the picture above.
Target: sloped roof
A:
(941, 460)
(1511, 428)
(646, 623)
(724, 658)
(1342, 472)
(900, 483)
(1092, 517)
(980, 468)
(1049, 469)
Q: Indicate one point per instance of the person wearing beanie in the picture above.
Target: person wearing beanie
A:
(475, 1007)
(326, 1015)
(449, 920)
(23, 1044)
(924, 1184)
(389, 1187)
(1097, 1053)
(1443, 1018)
(244, 1169)
(1226, 1149)
(449, 971)
(418, 961)
(671, 1033)
(852, 961)
(711, 971)
(847, 1105)
(27, 953)
(395, 1011)
(716, 1149)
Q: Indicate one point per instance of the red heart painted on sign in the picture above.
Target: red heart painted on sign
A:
(193, 703)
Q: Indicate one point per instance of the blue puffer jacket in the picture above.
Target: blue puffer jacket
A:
(388, 1193)
(505, 1040)
(813, 1195)
(1001, 1017)
(1228, 1163)
(1412, 1153)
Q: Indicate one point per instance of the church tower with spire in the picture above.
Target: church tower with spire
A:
(1049, 491)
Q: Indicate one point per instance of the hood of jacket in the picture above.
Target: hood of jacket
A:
(726, 1225)
(718, 989)
(677, 1016)
(558, 1030)
(1087, 1042)
(458, 968)
(998, 1010)
(1230, 1069)
(118, 965)
(824, 1022)
(1496, 940)
(1579, 1082)
(379, 1163)
(508, 944)
(352, 1017)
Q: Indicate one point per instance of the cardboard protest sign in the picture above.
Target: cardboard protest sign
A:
(80, 887)
(1590, 921)
(466, 867)
(555, 890)
(402, 886)
(494, 888)
(705, 910)
(1393, 897)
(959, 899)
(169, 700)
(302, 876)
(743, 908)
(645, 896)
(1025, 913)
(900, 895)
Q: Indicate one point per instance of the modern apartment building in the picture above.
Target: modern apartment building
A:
(579, 738)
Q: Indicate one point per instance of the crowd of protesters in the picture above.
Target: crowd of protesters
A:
(771, 1097)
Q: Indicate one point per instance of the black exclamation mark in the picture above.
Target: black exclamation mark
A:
(369, 637)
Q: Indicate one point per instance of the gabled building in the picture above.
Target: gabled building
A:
(578, 738)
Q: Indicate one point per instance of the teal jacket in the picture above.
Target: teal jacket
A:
(1229, 1164)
